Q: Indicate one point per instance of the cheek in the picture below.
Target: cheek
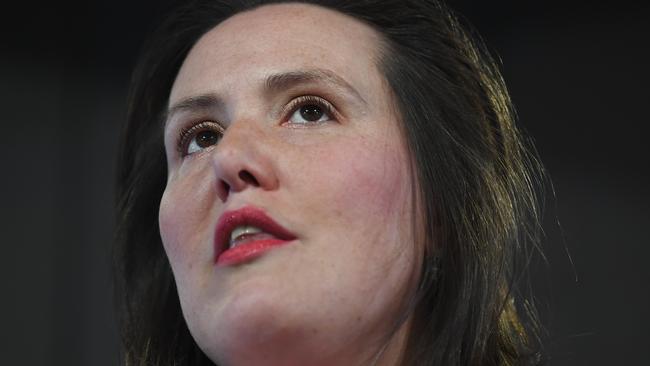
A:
(170, 219)
(379, 183)
(184, 218)
(369, 179)
(359, 206)
(371, 245)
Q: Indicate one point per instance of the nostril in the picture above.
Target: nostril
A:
(248, 178)
(224, 191)
(245, 178)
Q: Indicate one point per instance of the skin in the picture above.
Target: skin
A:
(335, 295)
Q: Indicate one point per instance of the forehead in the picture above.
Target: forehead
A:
(280, 38)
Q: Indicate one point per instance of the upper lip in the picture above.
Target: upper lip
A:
(251, 216)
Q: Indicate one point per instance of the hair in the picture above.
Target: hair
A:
(476, 179)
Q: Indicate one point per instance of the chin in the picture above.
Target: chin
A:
(255, 325)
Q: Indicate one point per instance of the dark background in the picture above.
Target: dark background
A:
(578, 74)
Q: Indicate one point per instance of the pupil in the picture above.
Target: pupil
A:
(206, 138)
(311, 112)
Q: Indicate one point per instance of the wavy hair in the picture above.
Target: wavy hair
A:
(476, 179)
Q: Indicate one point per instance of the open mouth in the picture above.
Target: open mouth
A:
(244, 234)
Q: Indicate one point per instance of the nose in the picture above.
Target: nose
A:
(243, 161)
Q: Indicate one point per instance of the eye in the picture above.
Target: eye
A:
(310, 110)
(199, 137)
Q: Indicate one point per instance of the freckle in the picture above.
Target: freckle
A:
(359, 319)
(338, 213)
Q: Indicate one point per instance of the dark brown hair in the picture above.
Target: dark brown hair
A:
(476, 184)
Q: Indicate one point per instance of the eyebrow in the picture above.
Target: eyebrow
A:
(287, 80)
(272, 84)
(194, 103)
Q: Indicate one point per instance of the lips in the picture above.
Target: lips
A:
(273, 234)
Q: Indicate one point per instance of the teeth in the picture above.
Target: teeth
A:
(242, 230)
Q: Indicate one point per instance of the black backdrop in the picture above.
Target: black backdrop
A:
(578, 74)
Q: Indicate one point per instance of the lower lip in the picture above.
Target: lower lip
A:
(247, 252)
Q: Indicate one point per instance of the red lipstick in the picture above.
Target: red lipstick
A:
(272, 235)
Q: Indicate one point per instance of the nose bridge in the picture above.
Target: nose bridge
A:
(239, 161)
(240, 130)
(240, 142)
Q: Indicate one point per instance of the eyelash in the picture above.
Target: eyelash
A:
(186, 134)
(304, 100)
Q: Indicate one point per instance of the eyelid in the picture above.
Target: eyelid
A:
(307, 100)
(187, 133)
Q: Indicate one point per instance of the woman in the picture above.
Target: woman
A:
(322, 183)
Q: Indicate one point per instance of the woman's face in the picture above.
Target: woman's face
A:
(281, 137)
